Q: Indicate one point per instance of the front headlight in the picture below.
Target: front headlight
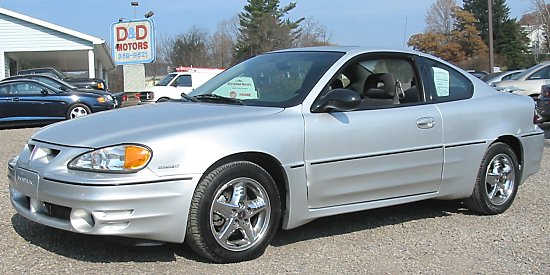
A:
(119, 159)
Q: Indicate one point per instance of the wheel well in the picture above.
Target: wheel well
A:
(515, 144)
(269, 163)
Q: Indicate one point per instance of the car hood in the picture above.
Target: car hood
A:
(145, 123)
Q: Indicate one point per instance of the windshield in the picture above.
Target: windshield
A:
(58, 83)
(166, 80)
(528, 71)
(280, 79)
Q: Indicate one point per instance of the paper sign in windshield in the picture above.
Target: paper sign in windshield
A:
(239, 87)
(441, 81)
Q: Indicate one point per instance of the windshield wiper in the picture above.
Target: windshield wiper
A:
(185, 97)
(217, 98)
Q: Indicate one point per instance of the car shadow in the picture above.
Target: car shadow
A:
(90, 248)
(369, 219)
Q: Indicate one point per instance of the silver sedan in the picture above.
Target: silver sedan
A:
(277, 141)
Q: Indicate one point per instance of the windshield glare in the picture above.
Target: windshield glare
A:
(165, 80)
(275, 79)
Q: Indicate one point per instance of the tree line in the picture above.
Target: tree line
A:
(461, 34)
(458, 34)
(262, 26)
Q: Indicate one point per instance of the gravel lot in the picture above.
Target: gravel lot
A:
(433, 237)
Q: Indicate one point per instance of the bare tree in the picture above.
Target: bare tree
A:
(160, 66)
(543, 13)
(190, 48)
(222, 43)
(313, 34)
(439, 18)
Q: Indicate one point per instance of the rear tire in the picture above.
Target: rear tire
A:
(497, 181)
(163, 99)
(234, 213)
(78, 110)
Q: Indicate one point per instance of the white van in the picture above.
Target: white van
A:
(184, 80)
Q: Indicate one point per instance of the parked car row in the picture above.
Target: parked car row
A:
(38, 99)
(528, 82)
(500, 76)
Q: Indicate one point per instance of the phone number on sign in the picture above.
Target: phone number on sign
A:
(132, 56)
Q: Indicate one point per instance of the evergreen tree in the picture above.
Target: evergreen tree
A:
(263, 28)
(509, 38)
(479, 8)
(512, 46)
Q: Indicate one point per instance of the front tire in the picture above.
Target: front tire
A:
(497, 181)
(234, 213)
(78, 110)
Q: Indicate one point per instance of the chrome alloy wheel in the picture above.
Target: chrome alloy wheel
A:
(78, 111)
(500, 179)
(240, 214)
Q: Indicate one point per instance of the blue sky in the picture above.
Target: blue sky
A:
(377, 23)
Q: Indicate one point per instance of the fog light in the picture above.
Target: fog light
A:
(82, 220)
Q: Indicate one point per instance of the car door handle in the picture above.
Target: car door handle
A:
(15, 99)
(425, 122)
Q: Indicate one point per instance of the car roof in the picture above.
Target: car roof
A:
(41, 68)
(28, 76)
(352, 50)
(30, 80)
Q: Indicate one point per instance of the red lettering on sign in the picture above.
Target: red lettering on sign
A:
(121, 33)
(141, 32)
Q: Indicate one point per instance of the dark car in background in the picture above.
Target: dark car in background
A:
(61, 84)
(543, 104)
(90, 83)
(28, 101)
(478, 74)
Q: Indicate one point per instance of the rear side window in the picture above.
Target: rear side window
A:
(4, 90)
(184, 81)
(447, 84)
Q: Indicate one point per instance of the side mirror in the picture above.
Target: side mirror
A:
(44, 92)
(340, 100)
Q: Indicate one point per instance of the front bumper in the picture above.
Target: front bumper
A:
(155, 210)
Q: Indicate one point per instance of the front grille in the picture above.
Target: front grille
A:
(58, 211)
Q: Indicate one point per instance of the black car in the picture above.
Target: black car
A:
(89, 83)
(543, 104)
(60, 84)
(28, 101)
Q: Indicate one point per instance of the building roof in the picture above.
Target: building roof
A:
(99, 45)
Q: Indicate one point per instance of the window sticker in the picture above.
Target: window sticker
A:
(241, 87)
(441, 81)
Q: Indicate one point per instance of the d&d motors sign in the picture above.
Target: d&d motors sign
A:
(133, 42)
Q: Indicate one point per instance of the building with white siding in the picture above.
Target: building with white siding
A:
(32, 43)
